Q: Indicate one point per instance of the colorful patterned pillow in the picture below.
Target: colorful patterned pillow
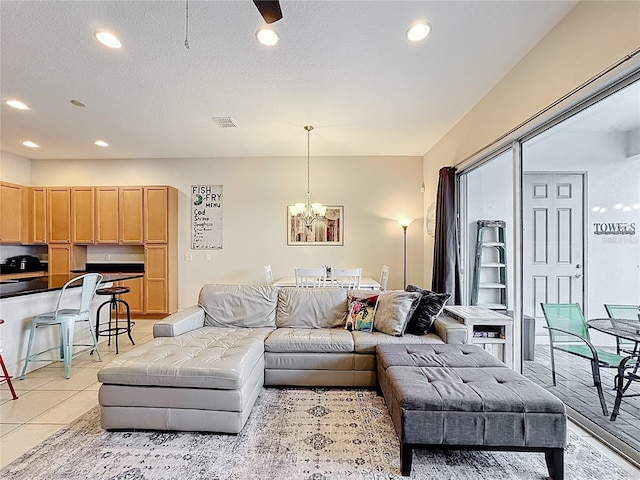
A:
(361, 313)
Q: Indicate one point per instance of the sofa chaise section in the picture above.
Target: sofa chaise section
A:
(193, 376)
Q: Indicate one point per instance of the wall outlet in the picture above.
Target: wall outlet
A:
(207, 257)
(188, 257)
(107, 257)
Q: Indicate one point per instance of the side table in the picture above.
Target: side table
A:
(487, 328)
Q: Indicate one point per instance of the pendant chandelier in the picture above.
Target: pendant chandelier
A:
(308, 212)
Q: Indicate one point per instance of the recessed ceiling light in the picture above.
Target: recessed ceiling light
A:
(78, 103)
(101, 143)
(267, 36)
(30, 144)
(418, 31)
(17, 104)
(108, 39)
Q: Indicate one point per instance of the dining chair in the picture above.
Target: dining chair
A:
(629, 312)
(384, 277)
(310, 277)
(569, 332)
(268, 274)
(66, 319)
(345, 278)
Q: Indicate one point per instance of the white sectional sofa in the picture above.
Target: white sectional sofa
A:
(208, 363)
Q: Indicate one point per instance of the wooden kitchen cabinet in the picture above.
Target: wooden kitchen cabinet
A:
(135, 297)
(158, 203)
(82, 207)
(59, 259)
(13, 213)
(37, 215)
(130, 215)
(59, 214)
(155, 279)
(106, 215)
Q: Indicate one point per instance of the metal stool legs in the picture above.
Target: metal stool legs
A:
(114, 329)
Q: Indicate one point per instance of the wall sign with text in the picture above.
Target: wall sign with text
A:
(612, 228)
(206, 217)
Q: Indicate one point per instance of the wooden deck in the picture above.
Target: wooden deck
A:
(575, 388)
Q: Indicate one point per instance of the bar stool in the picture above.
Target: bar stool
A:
(65, 319)
(5, 375)
(113, 302)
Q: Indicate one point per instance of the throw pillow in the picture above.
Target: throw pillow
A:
(362, 311)
(394, 310)
(429, 308)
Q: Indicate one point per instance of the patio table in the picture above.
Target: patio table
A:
(629, 330)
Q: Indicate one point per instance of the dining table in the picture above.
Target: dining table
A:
(366, 283)
(626, 329)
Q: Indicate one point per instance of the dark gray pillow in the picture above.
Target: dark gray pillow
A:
(430, 306)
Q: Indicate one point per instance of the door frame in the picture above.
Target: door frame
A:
(585, 244)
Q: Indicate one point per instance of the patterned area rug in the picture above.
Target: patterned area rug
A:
(313, 434)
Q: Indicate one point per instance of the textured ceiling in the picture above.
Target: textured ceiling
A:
(343, 66)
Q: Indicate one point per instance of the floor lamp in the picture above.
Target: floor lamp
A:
(404, 223)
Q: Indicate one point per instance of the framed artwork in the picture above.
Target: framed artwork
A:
(328, 230)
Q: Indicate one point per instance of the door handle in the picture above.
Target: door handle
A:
(577, 275)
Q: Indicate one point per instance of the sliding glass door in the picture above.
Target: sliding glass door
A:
(574, 232)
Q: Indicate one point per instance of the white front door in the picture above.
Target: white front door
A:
(553, 241)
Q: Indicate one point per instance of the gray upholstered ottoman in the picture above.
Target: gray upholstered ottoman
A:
(460, 397)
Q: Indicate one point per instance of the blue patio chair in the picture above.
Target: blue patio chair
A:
(569, 332)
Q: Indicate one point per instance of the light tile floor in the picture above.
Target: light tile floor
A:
(48, 402)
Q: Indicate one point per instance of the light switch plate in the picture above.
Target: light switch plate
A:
(188, 257)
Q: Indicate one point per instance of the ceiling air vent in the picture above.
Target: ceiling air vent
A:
(225, 122)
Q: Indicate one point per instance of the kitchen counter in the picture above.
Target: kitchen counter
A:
(48, 283)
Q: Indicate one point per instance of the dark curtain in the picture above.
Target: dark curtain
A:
(446, 258)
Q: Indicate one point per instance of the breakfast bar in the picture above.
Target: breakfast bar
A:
(22, 298)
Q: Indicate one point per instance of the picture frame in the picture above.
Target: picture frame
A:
(328, 231)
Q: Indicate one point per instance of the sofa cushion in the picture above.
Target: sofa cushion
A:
(429, 308)
(394, 310)
(325, 340)
(239, 305)
(365, 342)
(311, 307)
(208, 357)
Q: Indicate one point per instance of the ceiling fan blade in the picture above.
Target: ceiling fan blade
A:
(270, 10)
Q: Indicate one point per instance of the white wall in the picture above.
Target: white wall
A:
(15, 169)
(375, 191)
(592, 37)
